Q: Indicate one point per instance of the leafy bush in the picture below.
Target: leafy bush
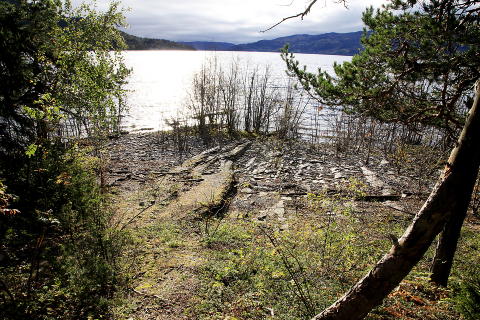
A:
(58, 256)
(62, 260)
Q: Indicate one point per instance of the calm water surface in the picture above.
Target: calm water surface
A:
(160, 80)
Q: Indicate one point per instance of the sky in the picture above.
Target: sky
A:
(237, 21)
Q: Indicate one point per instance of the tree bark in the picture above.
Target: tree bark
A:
(446, 247)
(447, 242)
(451, 192)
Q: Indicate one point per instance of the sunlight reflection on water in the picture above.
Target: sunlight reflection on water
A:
(160, 79)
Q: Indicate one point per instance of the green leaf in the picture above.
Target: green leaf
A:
(31, 149)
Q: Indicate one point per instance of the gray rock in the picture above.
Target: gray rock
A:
(258, 171)
(372, 178)
(340, 175)
(246, 190)
(384, 162)
(280, 212)
(262, 216)
(394, 205)
(250, 162)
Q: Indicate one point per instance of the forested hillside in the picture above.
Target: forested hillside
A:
(139, 43)
(328, 43)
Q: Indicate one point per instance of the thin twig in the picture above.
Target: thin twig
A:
(304, 297)
(301, 14)
(135, 216)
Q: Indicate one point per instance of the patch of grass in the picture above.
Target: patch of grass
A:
(254, 272)
(167, 233)
(248, 270)
(467, 295)
(416, 298)
(228, 234)
(466, 281)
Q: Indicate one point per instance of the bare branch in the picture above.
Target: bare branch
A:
(301, 14)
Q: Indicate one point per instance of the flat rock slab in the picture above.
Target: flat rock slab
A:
(275, 214)
(374, 181)
(207, 194)
(213, 187)
(164, 276)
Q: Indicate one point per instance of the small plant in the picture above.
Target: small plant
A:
(5, 200)
(356, 189)
(399, 157)
(467, 298)
(167, 233)
(228, 235)
(180, 134)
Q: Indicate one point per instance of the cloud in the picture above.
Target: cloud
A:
(237, 21)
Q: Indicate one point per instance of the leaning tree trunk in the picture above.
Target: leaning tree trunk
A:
(453, 190)
(448, 239)
(447, 245)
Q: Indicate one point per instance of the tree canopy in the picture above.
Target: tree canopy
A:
(57, 67)
(419, 63)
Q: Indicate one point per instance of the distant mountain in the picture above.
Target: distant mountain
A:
(210, 45)
(139, 43)
(328, 43)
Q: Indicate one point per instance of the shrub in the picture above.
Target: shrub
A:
(61, 256)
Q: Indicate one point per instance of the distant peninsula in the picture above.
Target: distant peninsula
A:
(139, 43)
(346, 44)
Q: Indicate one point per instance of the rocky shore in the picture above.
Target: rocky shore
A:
(268, 176)
(292, 168)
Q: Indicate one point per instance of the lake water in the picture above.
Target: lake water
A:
(160, 80)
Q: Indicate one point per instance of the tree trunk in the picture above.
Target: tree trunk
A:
(446, 247)
(449, 194)
(447, 242)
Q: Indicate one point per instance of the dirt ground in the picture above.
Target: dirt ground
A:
(169, 199)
